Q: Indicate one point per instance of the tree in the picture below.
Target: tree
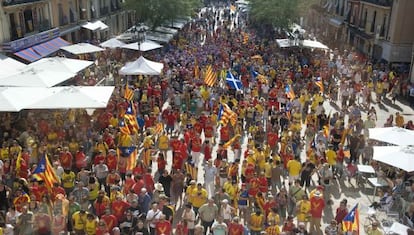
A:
(157, 12)
(278, 13)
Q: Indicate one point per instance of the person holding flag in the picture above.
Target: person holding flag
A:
(350, 223)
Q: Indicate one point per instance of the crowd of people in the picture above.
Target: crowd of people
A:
(272, 170)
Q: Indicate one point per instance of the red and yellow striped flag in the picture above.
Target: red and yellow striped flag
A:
(44, 171)
(319, 83)
(226, 115)
(191, 170)
(196, 69)
(129, 94)
(245, 38)
(131, 154)
(159, 128)
(231, 141)
(210, 77)
(146, 157)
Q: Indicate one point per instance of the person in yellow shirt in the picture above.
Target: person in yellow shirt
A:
(330, 156)
(273, 216)
(399, 120)
(303, 209)
(199, 197)
(163, 143)
(78, 221)
(294, 166)
(272, 229)
(90, 224)
(68, 180)
(4, 151)
(189, 191)
(256, 222)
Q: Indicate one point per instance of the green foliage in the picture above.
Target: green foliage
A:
(278, 13)
(156, 12)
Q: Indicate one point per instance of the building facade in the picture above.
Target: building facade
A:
(27, 23)
(380, 29)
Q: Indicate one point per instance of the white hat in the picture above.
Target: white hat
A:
(317, 193)
(225, 201)
(158, 187)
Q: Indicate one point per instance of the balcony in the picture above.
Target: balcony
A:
(384, 3)
(17, 2)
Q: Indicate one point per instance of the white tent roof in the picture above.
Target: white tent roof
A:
(74, 97)
(314, 44)
(142, 66)
(166, 29)
(61, 64)
(147, 45)
(95, 25)
(283, 43)
(112, 43)
(9, 66)
(14, 99)
(36, 77)
(82, 48)
(397, 156)
(392, 135)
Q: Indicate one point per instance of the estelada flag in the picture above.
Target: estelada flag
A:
(44, 171)
(351, 221)
(131, 154)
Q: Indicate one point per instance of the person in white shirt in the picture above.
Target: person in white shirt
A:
(209, 178)
(189, 217)
(219, 227)
(226, 211)
(153, 216)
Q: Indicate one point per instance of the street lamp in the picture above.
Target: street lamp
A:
(139, 34)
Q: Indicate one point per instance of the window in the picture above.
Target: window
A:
(373, 22)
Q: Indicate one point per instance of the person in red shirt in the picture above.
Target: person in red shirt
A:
(207, 149)
(184, 149)
(128, 183)
(208, 130)
(263, 184)
(196, 143)
(65, 158)
(178, 161)
(317, 206)
(170, 121)
(149, 181)
(161, 163)
(110, 219)
(99, 157)
(163, 226)
(119, 207)
(139, 184)
(80, 159)
(224, 134)
(56, 190)
(198, 127)
(234, 228)
(272, 139)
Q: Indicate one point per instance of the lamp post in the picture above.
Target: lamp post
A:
(139, 35)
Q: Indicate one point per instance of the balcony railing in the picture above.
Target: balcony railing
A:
(16, 2)
(385, 3)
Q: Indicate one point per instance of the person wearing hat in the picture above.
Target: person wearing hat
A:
(317, 205)
(373, 229)
(333, 228)
(226, 211)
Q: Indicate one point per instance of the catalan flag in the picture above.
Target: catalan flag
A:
(44, 171)
(319, 83)
(19, 161)
(159, 128)
(131, 118)
(231, 141)
(191, 170)
(123, 127)
(226, 114)
(129, 94)
(245, 38)
(290, 93)
(210, 77)
(351, 221)
(130, 153)
(258, 76)
(327, 126)
(146, 157)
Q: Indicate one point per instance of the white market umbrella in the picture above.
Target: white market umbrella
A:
(142, 66)
(314, 44)
(95, 25)
(147, 45)
(112, 43)
(14, 99)
(36, 77)
(9, 66)
(82, 48)
(397, 156)
(74, 97)
(282, 43)
(61, 64)
(392, 135)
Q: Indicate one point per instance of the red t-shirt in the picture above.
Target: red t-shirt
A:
(317, 206)
(235, 229)
(163, 227)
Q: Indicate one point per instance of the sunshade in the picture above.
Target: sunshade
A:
(147, 45)
(14, 99)
(61, 64)
(74, 97)
(112, 43)
(397, 156)
(142, 66)
(36, 77)
(314, 44)
(9, 66)
(283, 43)
(392, 135)
(81, 48)
(97, 25)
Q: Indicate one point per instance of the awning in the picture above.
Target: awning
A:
(51, 46)
(95, 25)
(335, 22)
(28, 54)
(42, 50)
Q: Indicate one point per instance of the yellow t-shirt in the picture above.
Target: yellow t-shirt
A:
(4, 153)
(256, 222)
(148, 142)
(330, 157)
(163, 142)
(93, 191)
(273, 230)
(199, 197)
(304, 207)
(272, 216)
(268, 170)
(294, 167)
(90, 227)
(79, 220)
(68, 179)
(189, 192)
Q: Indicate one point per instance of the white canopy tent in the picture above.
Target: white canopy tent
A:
(74, 97)
(82, 48)
(14, 99)
(283, 43)
(9, 66)
(36, 77)
(142, 66)
(61, 64)
(147, 45)
(392, 135)
(93, 26)
(112, 43)
(397, 156)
